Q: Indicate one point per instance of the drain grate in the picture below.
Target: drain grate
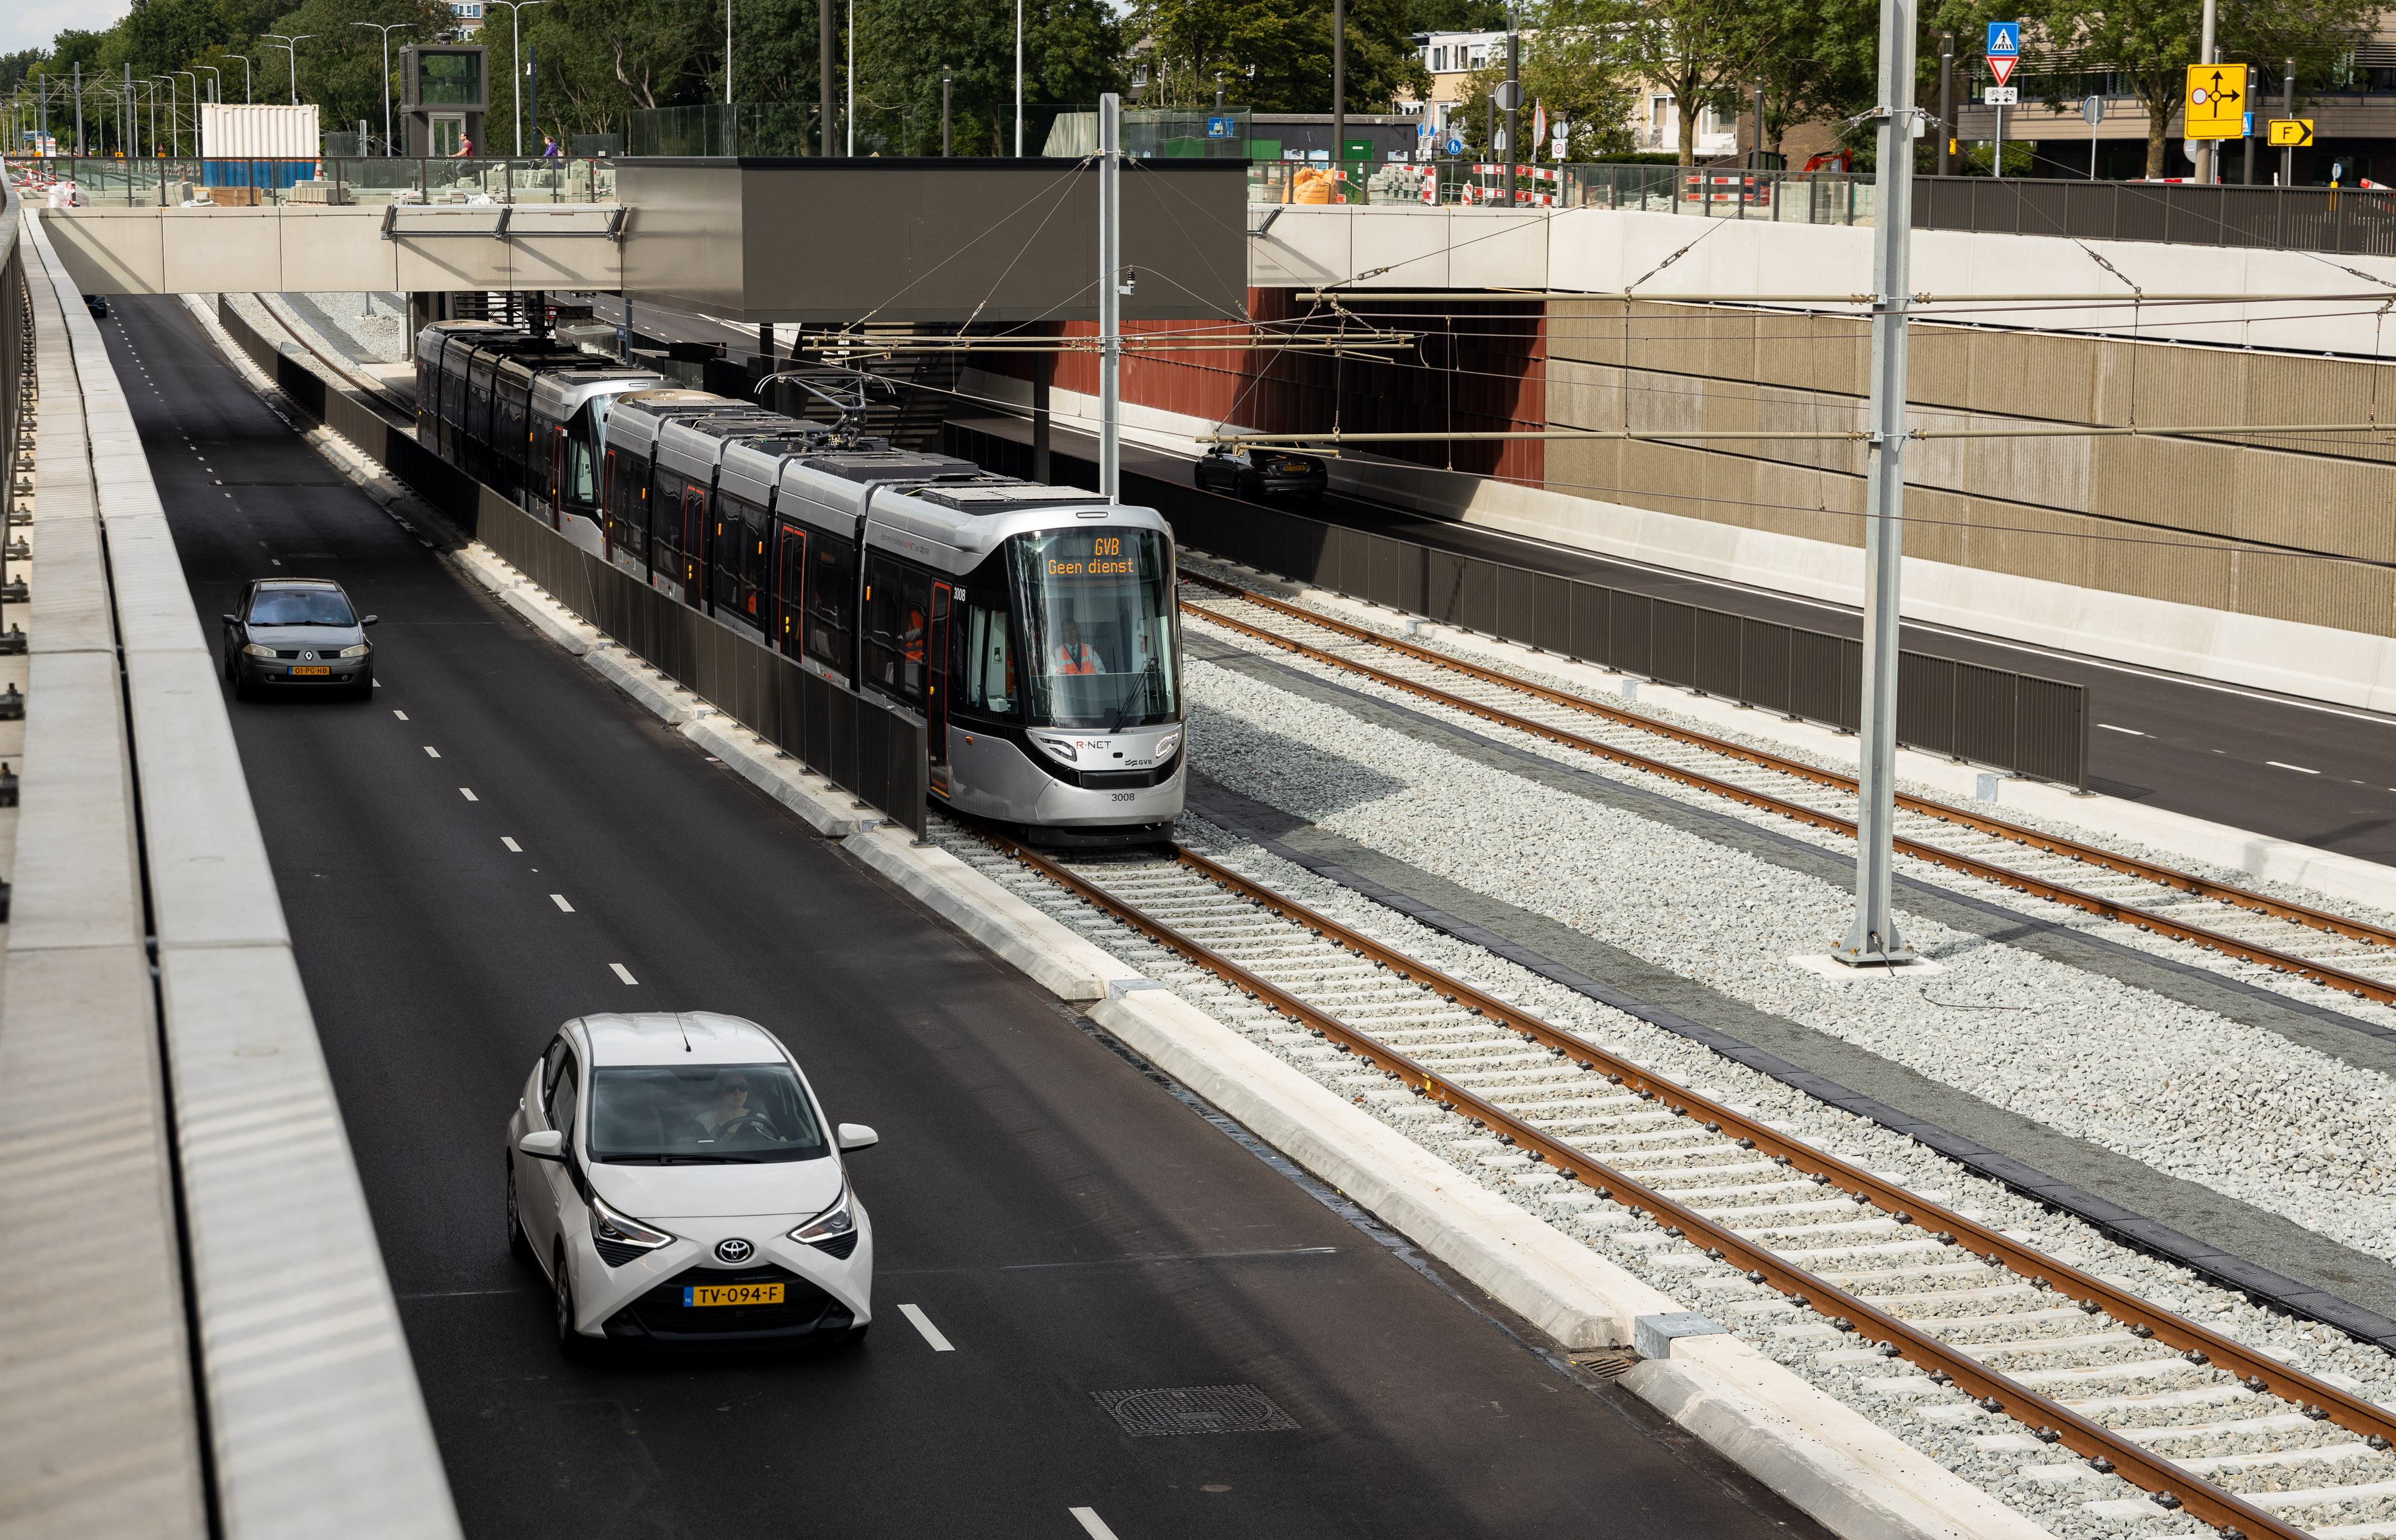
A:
(1194, 1409)
(1606, 1365)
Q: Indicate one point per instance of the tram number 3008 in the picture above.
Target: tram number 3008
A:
(1121, 796)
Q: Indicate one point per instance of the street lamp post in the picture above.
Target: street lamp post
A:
(245, 75)
(1018, 79)
(291, 46)
(216, 81)
(174, 129)
(945, 82)
(515, 53)
(387, 31)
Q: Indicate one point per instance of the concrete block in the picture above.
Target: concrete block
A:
(1653, 1335)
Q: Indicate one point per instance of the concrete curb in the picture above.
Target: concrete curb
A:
(824, 807)
(1835, 1464)
(2258, 856)
(1828, 1459)
(1052, 956)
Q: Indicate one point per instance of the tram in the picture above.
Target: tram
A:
(1032, 629)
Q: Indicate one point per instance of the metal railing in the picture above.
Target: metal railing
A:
(1789, 197)
(169, 182)
(2357, 221)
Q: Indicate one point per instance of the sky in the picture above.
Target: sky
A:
(32, 23)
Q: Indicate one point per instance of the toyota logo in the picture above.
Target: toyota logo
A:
(734, 1251)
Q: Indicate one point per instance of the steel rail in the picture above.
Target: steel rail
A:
(2162, 876)
(1848, 1312)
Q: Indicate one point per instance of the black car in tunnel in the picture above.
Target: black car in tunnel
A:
(1259, 473)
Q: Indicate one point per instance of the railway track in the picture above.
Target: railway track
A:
(377, 395)
(2272, 933)
(1772, 1228)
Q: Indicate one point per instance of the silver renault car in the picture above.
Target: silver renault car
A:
(298, 633)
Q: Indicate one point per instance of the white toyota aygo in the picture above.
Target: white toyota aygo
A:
(676, 1178)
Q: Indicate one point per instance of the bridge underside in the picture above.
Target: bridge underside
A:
(756, 241)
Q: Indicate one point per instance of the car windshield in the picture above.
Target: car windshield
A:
(311, 606)
(701, 1114)
(1098, 618)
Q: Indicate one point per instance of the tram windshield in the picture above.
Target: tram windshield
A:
(1098, 625)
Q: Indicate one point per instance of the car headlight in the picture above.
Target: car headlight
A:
(1062, 748)
(258, 649)
(611, 1227)
(830, 1225)
(359, 651)
(1166, 746)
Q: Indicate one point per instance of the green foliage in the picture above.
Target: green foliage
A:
(1288, 41)
(1565, 69)
(1424, 16)
(1071, 50)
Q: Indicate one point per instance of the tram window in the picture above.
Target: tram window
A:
(578, 488)
(831, 598)
(1097, 619)
(897, 619)
(739, 532)
(985, 660)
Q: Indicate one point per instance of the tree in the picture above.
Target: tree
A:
(2151, 47)
(1697, 49)
(1288, 41)
(1574, 68)
(1072, 52)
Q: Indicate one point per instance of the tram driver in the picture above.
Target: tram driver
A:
(1074, 655)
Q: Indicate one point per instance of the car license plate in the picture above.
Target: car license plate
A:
(319, 670)
(733, 1294)
(1296, 465)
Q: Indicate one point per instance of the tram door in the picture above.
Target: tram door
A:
(693, 570)
(790, 570)
(557, 477)
(935, 682)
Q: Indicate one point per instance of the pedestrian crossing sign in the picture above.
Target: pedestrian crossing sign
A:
(2004, 39)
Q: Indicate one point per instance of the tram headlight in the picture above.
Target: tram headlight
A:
(1062, 748)
(1167, 745)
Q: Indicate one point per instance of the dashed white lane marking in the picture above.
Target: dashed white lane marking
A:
(1092, 1524)
(2300, 769)
(623, 973)
(431, 750)
(511, 845)
(2111, 728)
(402, 715)
(559, 899)
(468, 792)
(923, 1323)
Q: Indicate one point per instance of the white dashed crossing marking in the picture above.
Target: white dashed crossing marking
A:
(559, 899)
(468, 792)
(623, 973)
(922, 1323)
(431, 750)
(1092, 1524)
(511, 845)
(402, 715)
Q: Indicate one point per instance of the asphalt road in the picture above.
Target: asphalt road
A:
(1065, 1222)
(2278, 765)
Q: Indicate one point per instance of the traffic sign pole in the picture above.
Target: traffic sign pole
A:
(1872, 939)
(2207, 54)
(2288, 110)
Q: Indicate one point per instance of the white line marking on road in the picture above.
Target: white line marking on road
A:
(623, 973)
(468, 792)
(276, 560)
(402, 715)
(914, 1313)
(511, 845)
(431, 750)
(2298, 768)
(1092, 1524)
(2111, 728)
(559, 899)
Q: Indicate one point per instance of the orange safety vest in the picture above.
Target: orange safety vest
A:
(1085, 664)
